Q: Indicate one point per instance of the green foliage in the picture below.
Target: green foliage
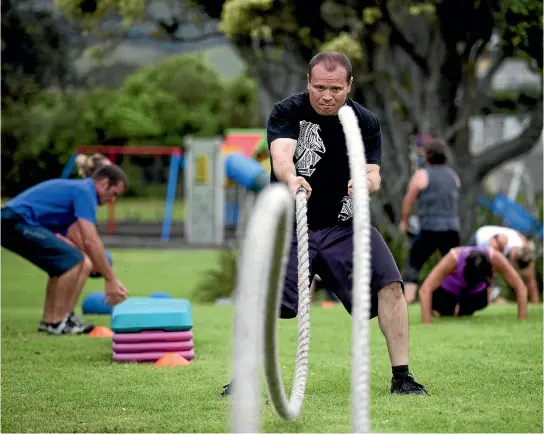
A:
(96, 11)
(240, 101)
(180, 95)
(157, 105)
(220, 281)
(347, 45)
(245, 17)
(36, 54)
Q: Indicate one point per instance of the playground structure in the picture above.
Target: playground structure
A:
(220, 179)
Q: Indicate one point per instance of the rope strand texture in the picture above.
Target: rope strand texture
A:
(290, 409)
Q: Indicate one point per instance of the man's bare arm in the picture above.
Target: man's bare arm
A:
(417, 183)
(373, 177)
(532, 285)
(95, 249)
(282, 152)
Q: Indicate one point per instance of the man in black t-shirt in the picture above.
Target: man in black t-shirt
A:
(308, 148)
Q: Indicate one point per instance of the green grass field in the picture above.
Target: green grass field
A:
(484, 373)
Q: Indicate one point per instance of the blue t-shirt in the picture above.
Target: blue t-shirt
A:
(321, 155)
(57, 203)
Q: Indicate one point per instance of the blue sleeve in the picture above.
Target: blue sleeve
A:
(281, 124)
(85, 205)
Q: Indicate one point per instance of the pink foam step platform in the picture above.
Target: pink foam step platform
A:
(149, 357)
(152, 336)
(139, 347)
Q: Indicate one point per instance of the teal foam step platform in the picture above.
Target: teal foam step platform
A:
(145, 313)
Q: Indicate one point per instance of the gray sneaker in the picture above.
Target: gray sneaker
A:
(66, 327)
(80, 323)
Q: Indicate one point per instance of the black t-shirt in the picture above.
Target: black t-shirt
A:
(321, 155)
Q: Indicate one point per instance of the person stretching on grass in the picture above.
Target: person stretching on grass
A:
(308, 149)
(516, 248)
(30, 222)
(459, 284)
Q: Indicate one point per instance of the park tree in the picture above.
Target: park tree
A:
(36, 51)
(415, 66)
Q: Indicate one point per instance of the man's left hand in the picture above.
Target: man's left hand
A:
(350, 187)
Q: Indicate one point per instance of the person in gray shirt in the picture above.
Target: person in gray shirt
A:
(435, 188)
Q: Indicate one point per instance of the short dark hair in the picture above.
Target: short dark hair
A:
(113, 173)
(436, 151)
(478, 269)
(331, 60)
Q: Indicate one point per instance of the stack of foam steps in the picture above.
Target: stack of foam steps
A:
(145, 329)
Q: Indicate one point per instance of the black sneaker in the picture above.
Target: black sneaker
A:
(80, 323)
(406, 385)
(227, 389)
(43, 327)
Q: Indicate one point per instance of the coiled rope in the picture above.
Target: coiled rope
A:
(261, 268)
(272, 369)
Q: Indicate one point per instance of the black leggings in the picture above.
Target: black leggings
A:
(444, 302)
(423, 246)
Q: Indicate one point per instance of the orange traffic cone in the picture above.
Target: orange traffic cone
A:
(101, 332)
(172, 359)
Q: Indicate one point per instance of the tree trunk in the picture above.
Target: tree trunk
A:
(471, 187)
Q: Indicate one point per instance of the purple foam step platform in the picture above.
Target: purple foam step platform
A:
(150, 347)
(152, 336)
(149, 357)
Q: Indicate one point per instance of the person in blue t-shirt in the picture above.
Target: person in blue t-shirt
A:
(30, 223)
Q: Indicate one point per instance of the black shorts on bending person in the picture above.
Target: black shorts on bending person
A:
(38, 245)
(444, 302)
(331, 257)
(423, 246)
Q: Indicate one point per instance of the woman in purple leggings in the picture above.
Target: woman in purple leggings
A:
(459, 284)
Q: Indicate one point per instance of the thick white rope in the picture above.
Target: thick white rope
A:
(262, 265)
(268, 236)
(360, 377)
(272, 369)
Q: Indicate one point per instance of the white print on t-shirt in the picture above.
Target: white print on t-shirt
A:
(308, 145)
(347, 209)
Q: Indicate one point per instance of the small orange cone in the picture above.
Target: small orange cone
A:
(101, 332)
(172, 359)
(327, 304)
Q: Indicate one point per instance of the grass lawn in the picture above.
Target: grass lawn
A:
(484, 373)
